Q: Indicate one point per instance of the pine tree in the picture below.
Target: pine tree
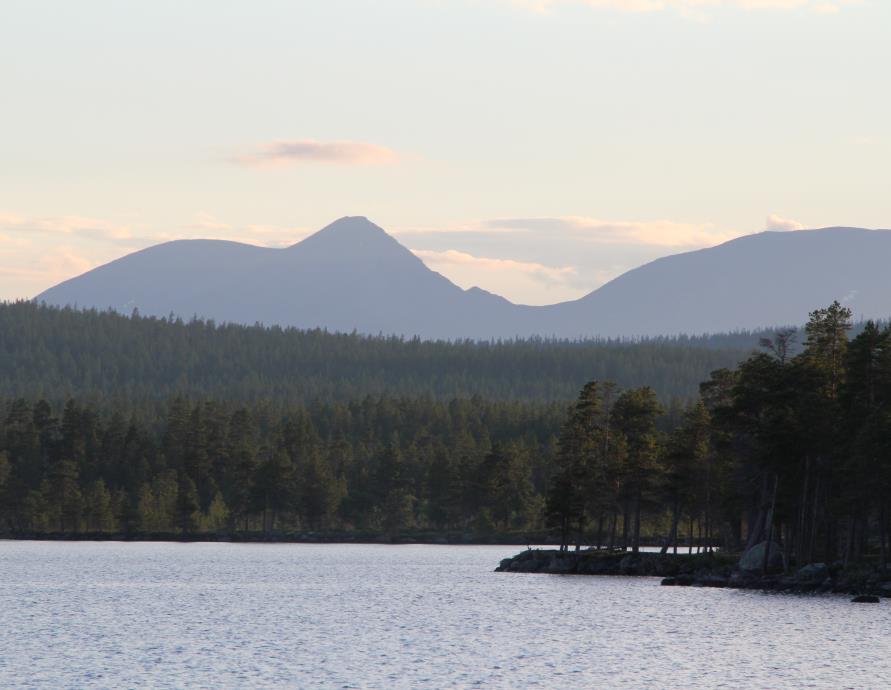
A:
(187, 509)
(634, 418)
(320, 491)
(576, 463)
(98, 513)
(506, 486)
(63, 495)
(687, 478)
(396, 498)
(217, 517)
(273, 489)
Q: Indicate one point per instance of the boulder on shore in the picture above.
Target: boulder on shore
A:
(813, 573)
(752, 561)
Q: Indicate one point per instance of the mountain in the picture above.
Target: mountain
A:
(761, 280)
(352, 275)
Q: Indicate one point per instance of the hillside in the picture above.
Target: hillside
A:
(352, 276)
(751, 282)
(56, 353)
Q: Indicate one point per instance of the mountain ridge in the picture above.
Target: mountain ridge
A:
(353, 276)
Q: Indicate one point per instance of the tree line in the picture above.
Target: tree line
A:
(379, 465)
(118, 360)
(792, 446)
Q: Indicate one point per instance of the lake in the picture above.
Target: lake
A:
(166, 615)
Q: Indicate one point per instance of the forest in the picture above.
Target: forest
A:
(115, 360)
(792, 445)
(793, 449)
(377, 464)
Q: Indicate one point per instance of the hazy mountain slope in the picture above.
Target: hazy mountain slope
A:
(353, 276)
(349, 276)
(758, 280)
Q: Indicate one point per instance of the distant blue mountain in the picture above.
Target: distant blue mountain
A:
(352, 275)
(761, 280)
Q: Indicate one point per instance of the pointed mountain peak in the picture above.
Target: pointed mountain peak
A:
(356, 240)
(346, 232)
(354, 226)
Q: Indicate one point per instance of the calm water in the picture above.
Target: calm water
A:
(85, 615)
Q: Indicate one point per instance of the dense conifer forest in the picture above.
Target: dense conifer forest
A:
(791, 445)
(60, 353)
(377, 464)
(788, 449)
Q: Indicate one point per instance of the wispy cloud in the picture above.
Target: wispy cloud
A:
(864, 140)
(775, 222)
(28, 269)
(39, 252)
(26, 230)
(522, 281)
(282, 153)
(470, 228)
(691, 7)
(658, 233)
(552, 258)
(207, 226)
(71, 226)
(661, 233)
(540, 272)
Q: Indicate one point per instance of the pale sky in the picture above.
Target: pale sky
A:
(536, 148)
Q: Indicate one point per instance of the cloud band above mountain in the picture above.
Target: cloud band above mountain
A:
(775, 222)
(654, 233)
(282, 153)
(521, 281)
(659, 233)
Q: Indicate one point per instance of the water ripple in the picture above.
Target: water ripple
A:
(108, 615)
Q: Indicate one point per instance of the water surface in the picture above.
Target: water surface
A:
(110, 615)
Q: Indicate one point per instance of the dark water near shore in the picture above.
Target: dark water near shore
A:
(109, 615)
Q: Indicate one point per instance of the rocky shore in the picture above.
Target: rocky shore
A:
(866, 582)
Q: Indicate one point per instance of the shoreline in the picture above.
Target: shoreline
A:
(718, 570)
(307, 537)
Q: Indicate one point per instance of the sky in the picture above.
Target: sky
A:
(535, 148)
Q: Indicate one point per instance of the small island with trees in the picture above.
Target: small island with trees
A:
(781, 471)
